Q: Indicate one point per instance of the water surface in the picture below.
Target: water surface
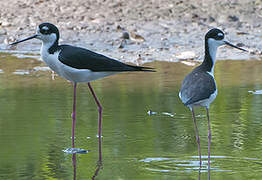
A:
(35, 124)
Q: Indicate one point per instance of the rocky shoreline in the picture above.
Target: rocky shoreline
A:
(137, 31)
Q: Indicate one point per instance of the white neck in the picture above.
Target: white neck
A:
(47, 41)
(212, 48)
(45, 46)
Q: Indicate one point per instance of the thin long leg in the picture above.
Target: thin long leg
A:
(197, 136)
(99, 119)
(209, 142)
(74, 116)
(100, 148)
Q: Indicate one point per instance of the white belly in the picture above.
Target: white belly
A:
(69, 73)
(205, 102)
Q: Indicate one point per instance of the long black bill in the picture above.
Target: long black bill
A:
(31, 37)
(227, 43)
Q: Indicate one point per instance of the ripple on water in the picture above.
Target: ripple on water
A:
(150, 113)
(75, 150)
(40, 68)
(191, 164)
(21, 72)
(22, 56)
(256, 92)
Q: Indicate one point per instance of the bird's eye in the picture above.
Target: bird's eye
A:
(44, 30)
(219, 36)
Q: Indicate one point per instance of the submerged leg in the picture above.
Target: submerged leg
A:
(74, 116)
(209, 142)
(99, 119)
(197, 136)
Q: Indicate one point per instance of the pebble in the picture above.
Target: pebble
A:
(123, 44)
(233, 18)
(136, 37)
(186, 55)
(3, 31)
(125, 35)
(5, 24)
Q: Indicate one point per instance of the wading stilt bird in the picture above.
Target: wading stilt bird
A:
(199, 86)
(77, 65)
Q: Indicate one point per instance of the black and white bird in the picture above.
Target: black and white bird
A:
(199, 87)
(77, 64)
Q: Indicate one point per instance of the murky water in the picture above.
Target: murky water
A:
(35, 125)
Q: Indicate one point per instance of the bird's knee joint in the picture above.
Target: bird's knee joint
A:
(100, 109)
(198, 140)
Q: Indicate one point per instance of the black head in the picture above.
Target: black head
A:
(215, 38)
(215, 33)
(46, 32)
(45, 29)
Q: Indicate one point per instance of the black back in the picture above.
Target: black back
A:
(197, 85)
(81, 58)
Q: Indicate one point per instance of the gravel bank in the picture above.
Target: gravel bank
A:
(165, 30)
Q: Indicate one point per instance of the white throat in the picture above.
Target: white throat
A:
(212, 48)
(47, 41)
(46, 45)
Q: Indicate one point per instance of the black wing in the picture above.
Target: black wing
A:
(81, 58)
(197, 86)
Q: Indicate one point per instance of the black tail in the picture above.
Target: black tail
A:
(140, 68)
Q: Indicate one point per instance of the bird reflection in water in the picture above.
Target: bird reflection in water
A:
(74, 165)
(99, 165)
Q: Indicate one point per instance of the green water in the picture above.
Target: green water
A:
(35, 125)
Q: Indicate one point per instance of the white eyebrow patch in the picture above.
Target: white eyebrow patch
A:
(220, 34)
(45, 28)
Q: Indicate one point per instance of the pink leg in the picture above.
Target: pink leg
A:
(99, 119)
(209, 142)
(74, 116)
(197, 136)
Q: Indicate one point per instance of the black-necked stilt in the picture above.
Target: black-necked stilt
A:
(77, 64)
(199, 86)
